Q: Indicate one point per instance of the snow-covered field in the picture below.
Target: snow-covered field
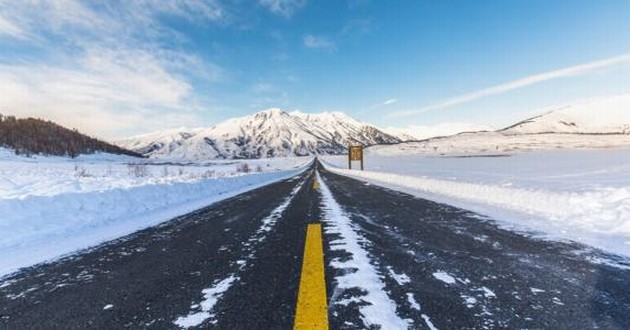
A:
(51, 206)
(581, 195)
(490, 143)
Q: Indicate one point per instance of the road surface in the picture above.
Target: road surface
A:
(390, 261)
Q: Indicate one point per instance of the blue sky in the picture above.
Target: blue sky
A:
(128, 67)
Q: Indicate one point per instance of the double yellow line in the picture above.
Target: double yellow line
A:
(312, 307)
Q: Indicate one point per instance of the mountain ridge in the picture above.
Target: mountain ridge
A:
(269, 133)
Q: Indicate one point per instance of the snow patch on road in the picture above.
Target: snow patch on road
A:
(401, 279)
(412, 301)
(444, 277)
(488, 293)
(427, 320)
(210, 295)
(378, 309)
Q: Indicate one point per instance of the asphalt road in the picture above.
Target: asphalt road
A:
(236, 265)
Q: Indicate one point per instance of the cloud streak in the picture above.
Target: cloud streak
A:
(519, 83)
(388, 102)
(284, 8)
(318, 42)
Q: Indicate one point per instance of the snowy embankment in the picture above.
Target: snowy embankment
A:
(581, 195)
(48, 210)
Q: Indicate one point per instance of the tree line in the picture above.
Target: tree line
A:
(30, 136)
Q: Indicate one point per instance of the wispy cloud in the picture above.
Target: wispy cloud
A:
(318, 42)
(519, 83)
(261, 88)
(357, 27)
(110, 68)
(10, 29)
(378, 105)
(388, 102)
(284, 8)
(110, 93)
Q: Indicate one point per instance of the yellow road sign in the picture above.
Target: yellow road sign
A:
(356, 153)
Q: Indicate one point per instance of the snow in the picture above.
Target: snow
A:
(444, 277)
(215, 292)
(376, 308)
(488, 293)
(470, 301)
(422, 132)
(580, 195)
(412, 301)
(401, 279)
(498, 144)
(210, 297)
(47, 211)
(600, 115)
(427, 320)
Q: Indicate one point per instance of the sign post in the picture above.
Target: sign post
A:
(355, 153)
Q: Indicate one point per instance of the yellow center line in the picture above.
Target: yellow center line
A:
(312, 307)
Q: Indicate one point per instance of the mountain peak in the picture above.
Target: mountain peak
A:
(271, 112)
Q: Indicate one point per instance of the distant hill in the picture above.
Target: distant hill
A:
(422, 132)
(30, 136)
(269, 133)
(596, 123)
(607, 115)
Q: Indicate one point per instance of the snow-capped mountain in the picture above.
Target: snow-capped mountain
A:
(608, 115)
(415, 132)
(270, 133)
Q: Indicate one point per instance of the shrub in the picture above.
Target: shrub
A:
(81, 172)
(243, 168)
(208, 174)
(138, 170)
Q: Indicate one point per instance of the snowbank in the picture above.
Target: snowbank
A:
(591, 208)
(36, 226)
(23, 177)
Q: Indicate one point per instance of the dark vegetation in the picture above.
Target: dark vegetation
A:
(31, 136)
